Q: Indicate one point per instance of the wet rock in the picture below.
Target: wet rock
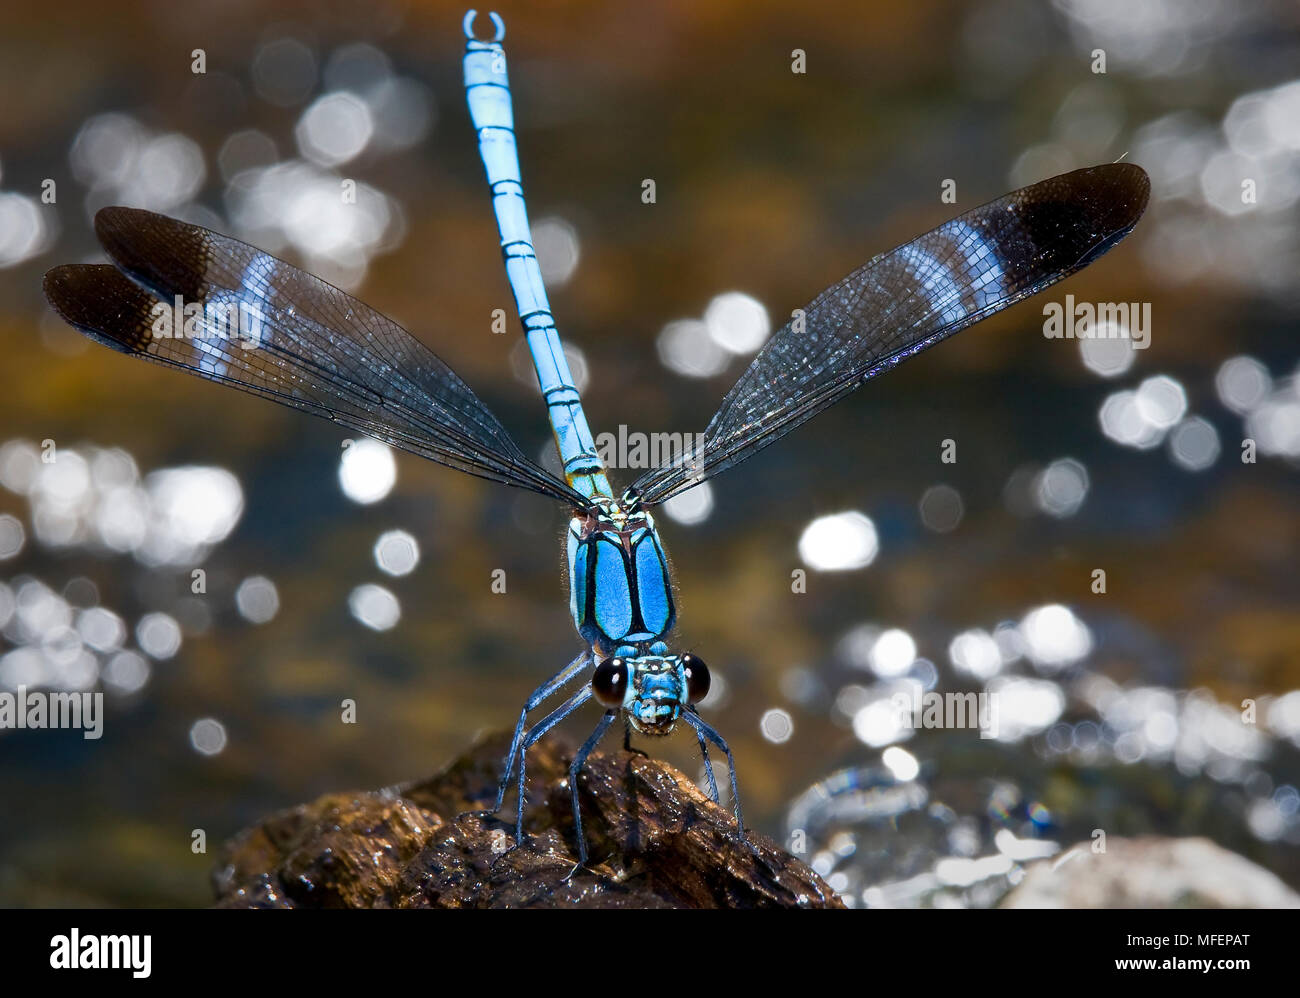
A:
(655, 841)
(1150, 873)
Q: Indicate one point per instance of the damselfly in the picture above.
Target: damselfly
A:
(307, 345)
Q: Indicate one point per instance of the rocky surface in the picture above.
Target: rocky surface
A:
(655, 841)
(1150, 872)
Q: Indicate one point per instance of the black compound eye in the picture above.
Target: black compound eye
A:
(697, 678)
(609, 682)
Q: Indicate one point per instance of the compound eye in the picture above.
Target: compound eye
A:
(697, 678)
(609, 682)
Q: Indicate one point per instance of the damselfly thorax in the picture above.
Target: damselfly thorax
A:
(620, 593)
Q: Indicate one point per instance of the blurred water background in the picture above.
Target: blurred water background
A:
(366, 575)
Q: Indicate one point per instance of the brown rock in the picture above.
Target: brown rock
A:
(655, 841)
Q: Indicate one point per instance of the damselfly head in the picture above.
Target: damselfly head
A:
(651, 689)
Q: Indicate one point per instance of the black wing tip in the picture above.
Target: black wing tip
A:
(164, 254)
(1129, 174)
(118, 227)
(63, 287)
(1085, 212)
(54, 279)
(1133, 173)
(1123, 189)
(100, 302)
(115, 216)
(1134, 179)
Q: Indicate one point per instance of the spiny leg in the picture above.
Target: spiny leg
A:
(704, 731)
(536, 732)
(542, 692)
(708, 766)
(578, 760)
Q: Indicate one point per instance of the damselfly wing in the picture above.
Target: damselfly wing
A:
(263, 326)
(901, 302)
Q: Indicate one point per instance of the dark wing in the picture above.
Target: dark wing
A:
(302, 342)
(905, 300)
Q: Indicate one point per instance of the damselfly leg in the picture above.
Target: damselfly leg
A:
(543, 692)
(535, 733)
(708, 769)
(574, 768)
(703, 730)
(580, 760)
